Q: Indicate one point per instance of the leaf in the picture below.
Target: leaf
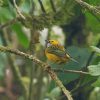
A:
(79, 54)
(55, 92)
(97, 50)
(88, 79)
(92, 22)
(25, 81)
(97, 82)
(94, 70)
(93, 2)
(23, 39)
(5, 14)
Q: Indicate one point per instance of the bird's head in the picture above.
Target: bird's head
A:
(52, 43)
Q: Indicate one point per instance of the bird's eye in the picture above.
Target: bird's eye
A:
(51, 41)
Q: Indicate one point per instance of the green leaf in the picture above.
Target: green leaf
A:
(21, 98)
(55, 92)
(25, 81)
(97, 82)
(92, 22)
(5, 14)
(94, 70)
(93, 2)
(88, 79)
(23, 39)
(97, 50)
(79, 54)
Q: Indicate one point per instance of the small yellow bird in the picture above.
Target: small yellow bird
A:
(55, 52)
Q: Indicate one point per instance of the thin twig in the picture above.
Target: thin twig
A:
(34, 34)
(44, 66)
(31, 48)
(52, 5)
(9, 23)
(31, 83)
(42, 7)
(18, 11)
(88, 6)
(69, 71)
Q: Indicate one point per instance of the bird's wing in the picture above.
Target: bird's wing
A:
(57, 52)
(60, 53)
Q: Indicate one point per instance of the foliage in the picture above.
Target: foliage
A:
(97, 50)
(81, 27)
(94, 69)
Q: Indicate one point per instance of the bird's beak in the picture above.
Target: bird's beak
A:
(47, 41)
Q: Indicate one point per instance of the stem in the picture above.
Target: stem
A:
(42, 7)
(18, 11)
(69, 71)
(52, 5)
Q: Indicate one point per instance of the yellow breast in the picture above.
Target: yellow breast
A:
(52, 57)
(56, 59)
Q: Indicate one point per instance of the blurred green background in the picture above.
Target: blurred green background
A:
(77, 28)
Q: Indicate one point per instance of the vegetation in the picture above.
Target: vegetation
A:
(25, 73)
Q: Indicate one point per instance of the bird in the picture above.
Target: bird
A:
(56, 52)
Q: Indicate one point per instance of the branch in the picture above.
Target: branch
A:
(34, 38)
(44, 66)
(59, 83)
(88, 6)
(32, 8)
(9, 23)
(52, 5)
(18, 11)
(42, 7)
(31, 48)
(69, 71)
(39, 22)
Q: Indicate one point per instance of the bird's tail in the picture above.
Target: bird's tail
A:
(74, 60)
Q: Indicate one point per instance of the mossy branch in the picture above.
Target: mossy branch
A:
(91, 8)
(18, 11)
(38, 22)
(43, 65)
